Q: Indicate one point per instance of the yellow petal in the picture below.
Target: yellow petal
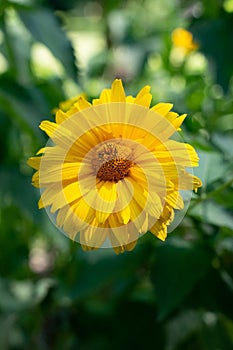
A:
(91, 237)
(72, 223)
(42, 150)
(150, 141)
(154, 206)
(48, 127)
(53, 155)
(63, 171)
(61, 216)
(177, 152)
(162, 108)
(119, 249)
(130, 246)
(147, 176)
(159, 230)
(175, 200)
(36, 179)
(48, 195)
(144, 97)
(66, 195)
(119, 236)
(129, 99)
(171, 116)
(83, 210)
(117, 92)
(138, 216)
(167, 215)
(125, 191)
(125, 247)
(178, 121)
(105, 97)
(189, 182)
(34, 162)
(82, 103)
(60, 116)
(139, 195)
(124, 215)
(107, 200)
(144, 227)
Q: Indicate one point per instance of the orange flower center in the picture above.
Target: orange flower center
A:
(112, 162)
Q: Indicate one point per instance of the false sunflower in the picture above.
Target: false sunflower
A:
(112, 170)
(183, 40)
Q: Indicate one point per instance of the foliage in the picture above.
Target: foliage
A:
(174, 295)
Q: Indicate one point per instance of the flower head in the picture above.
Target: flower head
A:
(112, 172)
(183, 40)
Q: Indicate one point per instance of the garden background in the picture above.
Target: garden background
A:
(176, 295)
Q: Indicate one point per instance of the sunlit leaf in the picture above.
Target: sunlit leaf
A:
(27, 106)
(213, 213)
(44, 27)
(16, 47)
(225, 143)
(211, 167)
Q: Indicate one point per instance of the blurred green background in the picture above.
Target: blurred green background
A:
(176, 295)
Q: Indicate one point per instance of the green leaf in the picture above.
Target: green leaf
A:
(181, 327)
(225, 142)
(212, 213)
(178, 267)
(45, 28)
(19, 295)
(224, 123)
(15, 101)
(211, 167)
(16, 47)
(15, 187)
(27, 106)
(16, 4)
(113, 270)
(27, 292)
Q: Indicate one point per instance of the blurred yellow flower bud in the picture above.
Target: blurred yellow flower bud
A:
(183, 40)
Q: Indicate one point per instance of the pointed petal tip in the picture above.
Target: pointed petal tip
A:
(40, 204)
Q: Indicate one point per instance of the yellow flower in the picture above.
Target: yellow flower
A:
(183, 40)
(65, 106)
(112, 172)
